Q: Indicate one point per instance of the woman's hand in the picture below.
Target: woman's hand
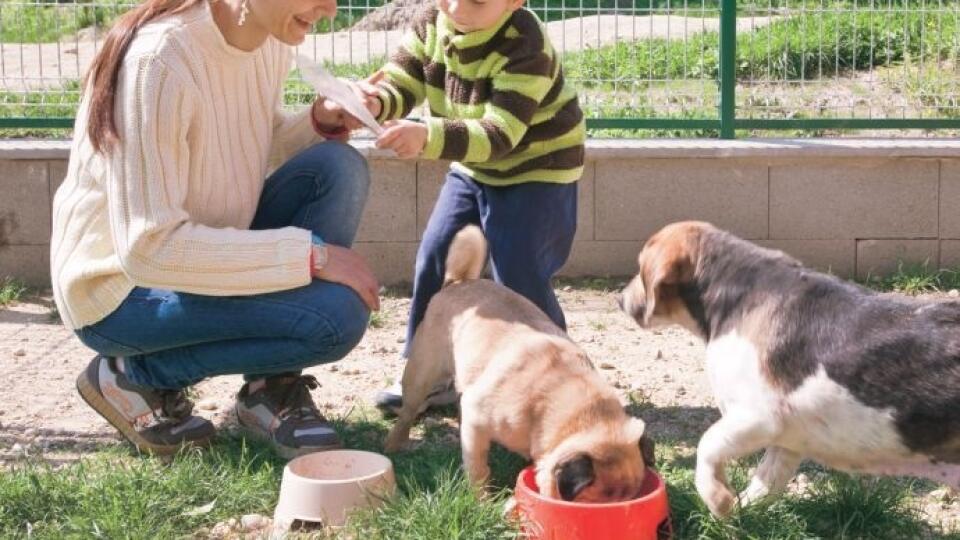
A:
(330, 116)
(405, 137)
(347, 267)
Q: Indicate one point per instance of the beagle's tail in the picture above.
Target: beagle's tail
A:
(467, 255)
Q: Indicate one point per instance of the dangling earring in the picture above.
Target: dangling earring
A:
(244, 9)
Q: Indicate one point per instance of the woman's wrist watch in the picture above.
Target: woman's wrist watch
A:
(318, 253)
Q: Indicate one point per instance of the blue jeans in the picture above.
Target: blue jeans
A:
(529, 229)
(172, 340)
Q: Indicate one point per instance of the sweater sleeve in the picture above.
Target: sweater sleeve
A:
(147, 181)
(292, 130)
(521, 82)
(404, 84)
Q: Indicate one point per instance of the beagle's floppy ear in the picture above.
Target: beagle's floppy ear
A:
(573, 475)
(668, 259)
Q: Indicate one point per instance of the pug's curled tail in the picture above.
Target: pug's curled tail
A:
(467, 255)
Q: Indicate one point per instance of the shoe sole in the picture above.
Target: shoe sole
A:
(286, 452)
(95, 400)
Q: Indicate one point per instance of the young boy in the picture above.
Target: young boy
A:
(501, 111)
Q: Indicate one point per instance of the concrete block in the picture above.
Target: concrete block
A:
(430, 178)
(58, 171)
(883, 257)
(599, 258)
(24, 202)
(950, 198)
(391, 262)
(391, 209)
(834, 199)
(950, 254)
(838, 257)
(635, 198)
(29, 264)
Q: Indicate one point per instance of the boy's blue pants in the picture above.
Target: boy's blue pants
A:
(529, 229)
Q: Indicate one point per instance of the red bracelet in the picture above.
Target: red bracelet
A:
(318, 129)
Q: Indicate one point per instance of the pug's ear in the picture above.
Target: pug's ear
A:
(573, 475)
(636, 430)
(648, 451)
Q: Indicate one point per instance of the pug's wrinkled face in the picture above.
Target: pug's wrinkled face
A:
(608, 471)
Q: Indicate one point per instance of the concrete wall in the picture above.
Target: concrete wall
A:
(854, 207)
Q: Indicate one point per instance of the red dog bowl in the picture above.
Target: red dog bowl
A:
(644, 518)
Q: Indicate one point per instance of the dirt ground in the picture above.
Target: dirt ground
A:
(41, 412)
(40, 359)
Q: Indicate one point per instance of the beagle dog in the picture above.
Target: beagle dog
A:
(803, 364)
(523, 384)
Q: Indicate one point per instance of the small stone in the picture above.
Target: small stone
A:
(401, 339)
(232, 523)
(618, 384)
(941, 495)
(659, 354)
(567, 288)
(208, 404)
(658, 332)
(953, 293)
(18, 449)
(606, 365)
(20, 352)
(251, 522)
(681, 391)
(30, 433)
(333, 369)
(220, 530)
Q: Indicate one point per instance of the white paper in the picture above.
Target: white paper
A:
(338, 91)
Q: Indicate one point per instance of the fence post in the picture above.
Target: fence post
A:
(728, 68)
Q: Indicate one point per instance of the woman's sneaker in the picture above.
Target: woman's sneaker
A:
(155, 421)
(281, 410)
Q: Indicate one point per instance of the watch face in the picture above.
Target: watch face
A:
(319, 256)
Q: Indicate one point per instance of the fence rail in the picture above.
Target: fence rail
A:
(708, 67)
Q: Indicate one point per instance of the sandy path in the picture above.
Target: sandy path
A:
(47, 65)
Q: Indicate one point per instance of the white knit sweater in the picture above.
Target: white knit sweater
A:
(201, 126)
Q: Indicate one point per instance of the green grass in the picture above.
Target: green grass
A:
(788, 49)
(916, 279)
(10, 291)
(23, 21)
(113, 494)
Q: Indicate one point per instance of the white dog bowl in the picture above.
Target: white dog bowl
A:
(326, 486)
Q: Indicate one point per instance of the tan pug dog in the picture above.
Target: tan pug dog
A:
(523, 384)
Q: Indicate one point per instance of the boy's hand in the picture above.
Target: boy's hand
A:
(405, 137)
(368, 92)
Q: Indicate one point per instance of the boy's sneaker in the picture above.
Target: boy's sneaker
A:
(390, 400)
(282, 412)
(155, 421)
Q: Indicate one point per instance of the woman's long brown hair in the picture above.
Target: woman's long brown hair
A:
(103, 74)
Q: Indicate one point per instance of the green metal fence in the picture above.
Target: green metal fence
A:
(684, 67)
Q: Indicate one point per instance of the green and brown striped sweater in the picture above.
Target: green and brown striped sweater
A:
(499, 106)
